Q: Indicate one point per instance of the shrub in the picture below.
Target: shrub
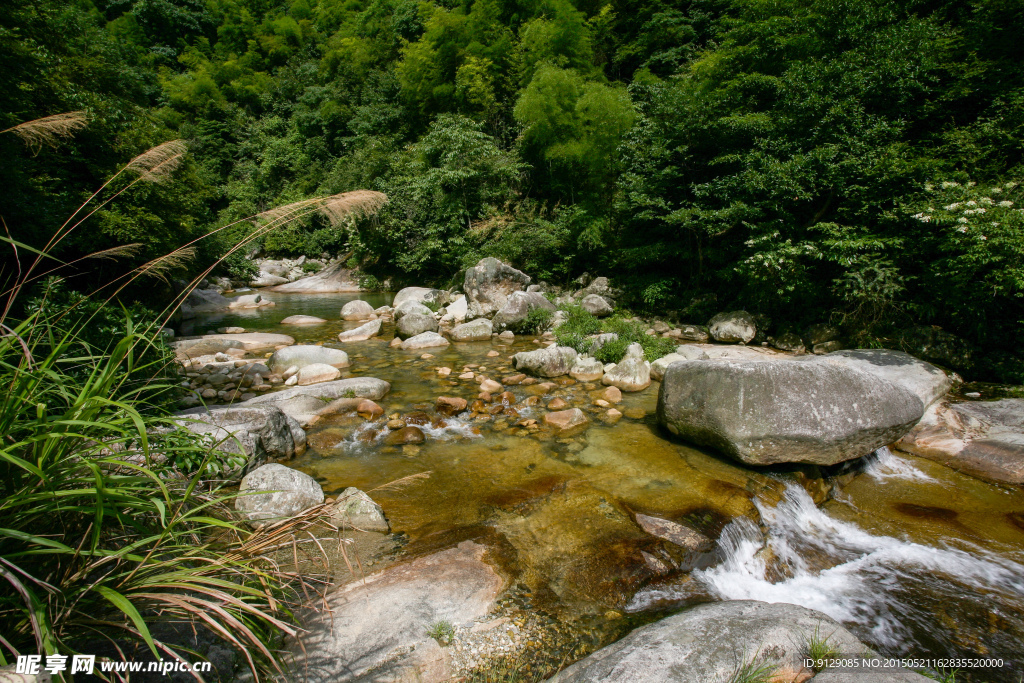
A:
(240, 268)
(630, 332)
(536, 321)
(578, 324)
(312, 267)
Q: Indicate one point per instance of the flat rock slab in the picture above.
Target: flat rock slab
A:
(302, 320)
(336, 278)
(380, 623)
(924, 379)
(353, 387)
(250, 342)
(674, 532)
(361, 333)
(710, 642)
(302, 355)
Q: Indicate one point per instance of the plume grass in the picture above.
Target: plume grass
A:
(49, 130)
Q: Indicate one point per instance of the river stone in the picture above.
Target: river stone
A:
(924, 379)
(821, 333)
(250, 301)
(518, 306)
(302, 355)
(357, 310)
(375, 629)
(356, 509)
(788, 341)
(420, 295)
(315, 373)
(586, 369)
(305, 410)
(477, 330)
(601, 287)
(410, 307)
(412, 324)
(984, 439)
(456, 311)
(767, 412)
(361, 387)
(596, 305)
(733, 327)
(488, 285)
(674, 532)
(658, 366)
(566, 419)
(695, 333)
(425, 340)
(450, 405)
(259, 432)
(406, 435)
(302, 320)
(710, 642)
(361, 333)
(553, 361)
(288, 492)
(632, 373)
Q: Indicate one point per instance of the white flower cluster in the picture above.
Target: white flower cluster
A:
(971, 212)
(924, 218)
(1005, 204)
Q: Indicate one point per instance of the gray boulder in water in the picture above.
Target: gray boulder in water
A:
(518, 306)
(275, 491)
(712, 642)
(554, 361)
(413, 324)
(476, 330)
(763, 412)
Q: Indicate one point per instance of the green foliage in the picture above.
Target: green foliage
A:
(312, 266)
(576, 327)
(631, 332)
(240, 268)
(537, 321)
(754, 672)
(820, 648)
(442, 631)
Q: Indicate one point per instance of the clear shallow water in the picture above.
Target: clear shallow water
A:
(915, 558)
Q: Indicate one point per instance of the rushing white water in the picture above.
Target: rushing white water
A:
(885, 588)
(459, 427)
(883, 464)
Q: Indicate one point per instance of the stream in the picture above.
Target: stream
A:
(914, 558)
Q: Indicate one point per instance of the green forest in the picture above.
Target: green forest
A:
(806, 160)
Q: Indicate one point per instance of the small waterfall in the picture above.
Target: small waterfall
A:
(883, 464)
(902, 598)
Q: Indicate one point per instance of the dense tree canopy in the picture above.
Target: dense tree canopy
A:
(798, 158)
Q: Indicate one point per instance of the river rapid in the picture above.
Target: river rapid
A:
(914, 558)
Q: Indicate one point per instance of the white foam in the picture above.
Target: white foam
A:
(855, 577)
(883, 464)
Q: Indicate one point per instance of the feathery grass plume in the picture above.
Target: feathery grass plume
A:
(114, 253)
(49, 129)
(337, 208)
(161, 266)
(399, 484)
(157, 164)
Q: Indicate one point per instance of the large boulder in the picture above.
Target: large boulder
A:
(632, 373)
(334, 278)
(601, 287)
(732, 327)
(261, 433)
(353, 387)
(762, 412)
(275, 492)
(420, 295)
(586, 369)
(716, 352)
(658, 367)
(553, 361)
(203, 301)
(518, 306)
(265, 279)
(425, 340)
(302, 355)
(477, 330)
(694, 333)
(357, 310)
(412, 324)
(711, 642)
(597, 305)
(924, 379)
(488, 285)
(984, 439)
(361, 333)
(375, 629)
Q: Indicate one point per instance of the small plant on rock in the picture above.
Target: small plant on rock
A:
(821, 648)
(442, 631)
(536, 321)
(753, 671)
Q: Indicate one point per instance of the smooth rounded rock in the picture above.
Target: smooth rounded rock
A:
(425, 340)
(476, 330)
(301, 355)
(357, 310)
(553, 361)
(413, 324)
(733, 327)
(361, 333)
(275, 491)
(314, 373)
(302, 320)
(356, 509)
(632, 373)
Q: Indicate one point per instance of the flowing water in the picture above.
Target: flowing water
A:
(916, 559)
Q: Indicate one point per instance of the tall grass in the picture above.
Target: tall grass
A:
(106, 546)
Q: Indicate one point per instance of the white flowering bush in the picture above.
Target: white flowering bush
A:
(978, 229)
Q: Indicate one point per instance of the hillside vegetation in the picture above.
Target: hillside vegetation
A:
(806, 160)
